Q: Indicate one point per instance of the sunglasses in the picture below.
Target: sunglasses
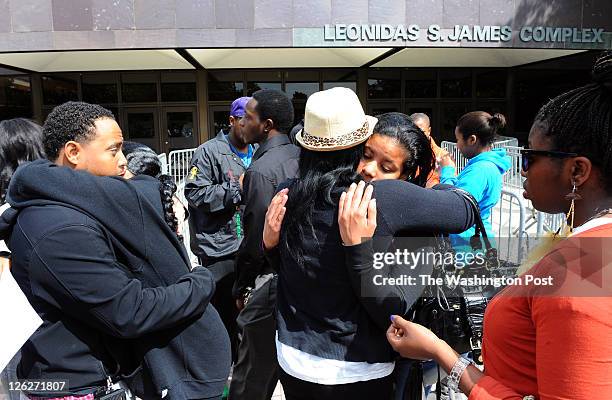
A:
(528, 154)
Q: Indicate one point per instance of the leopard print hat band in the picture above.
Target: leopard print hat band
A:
(334, 120)
(345, 141)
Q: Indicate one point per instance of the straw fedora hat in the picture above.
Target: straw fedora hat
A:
(334, 120)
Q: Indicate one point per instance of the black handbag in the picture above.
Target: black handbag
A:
(108, 393)
(455, 312)
(118, 394)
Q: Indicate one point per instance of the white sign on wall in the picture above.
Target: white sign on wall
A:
(459, 33)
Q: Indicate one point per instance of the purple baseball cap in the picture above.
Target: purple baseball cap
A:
(239, 106)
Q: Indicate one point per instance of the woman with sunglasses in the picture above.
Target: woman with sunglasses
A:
(482, 176)
(552, 339)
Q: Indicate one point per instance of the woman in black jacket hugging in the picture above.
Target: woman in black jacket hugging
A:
(332, 318)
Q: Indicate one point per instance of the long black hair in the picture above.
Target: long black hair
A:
(580, 121)
(142, 160)
(420, 161)
(21, 140)
(320, 173)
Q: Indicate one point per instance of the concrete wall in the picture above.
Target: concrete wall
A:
(30, 25)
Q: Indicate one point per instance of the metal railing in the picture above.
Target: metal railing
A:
(510, 144)
(508, 221)
(505, 141)
(547, 223)
(460, 160)
(163, 159)
(179, 162)
(512, 178)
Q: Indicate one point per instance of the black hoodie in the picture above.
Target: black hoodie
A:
(111, 282)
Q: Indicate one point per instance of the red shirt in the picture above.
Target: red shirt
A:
(554, 342)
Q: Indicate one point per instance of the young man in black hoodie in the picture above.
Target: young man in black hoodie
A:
(109, 278)
(268, 119)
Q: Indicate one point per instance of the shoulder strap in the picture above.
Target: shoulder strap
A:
(480, 231)
(479, 225)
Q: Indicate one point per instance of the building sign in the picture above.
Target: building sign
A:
(460, 33)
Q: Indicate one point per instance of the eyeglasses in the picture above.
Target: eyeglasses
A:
(527, 156)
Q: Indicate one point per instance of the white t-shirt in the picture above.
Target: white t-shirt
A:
(594, 223)
(324, 371)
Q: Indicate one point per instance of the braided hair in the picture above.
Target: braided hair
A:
(167, 188)
(580, 121)
(142, 160)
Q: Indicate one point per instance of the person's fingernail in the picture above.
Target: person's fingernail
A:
(392, 318)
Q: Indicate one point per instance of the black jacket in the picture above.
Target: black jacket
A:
(329, 306)
(213, 193)
(111, 282)
(274, 162)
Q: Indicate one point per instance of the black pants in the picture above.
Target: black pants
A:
(223, 271)
(256, 369)
(297, 389)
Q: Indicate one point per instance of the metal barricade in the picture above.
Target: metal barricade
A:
(508, 221)
(539, 223)
(547, 223)
(505, 141)
(163, 159)
(179, 162)
(512, 178)
(512, 149)
(460, 161)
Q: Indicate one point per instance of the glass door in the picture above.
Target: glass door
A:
(377, 108)
(218, 117)
(431, 110)
(449, 115)
(299, 85)
(180, 128)
(141, 125)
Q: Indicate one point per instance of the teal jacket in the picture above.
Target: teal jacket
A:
(482, 177)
